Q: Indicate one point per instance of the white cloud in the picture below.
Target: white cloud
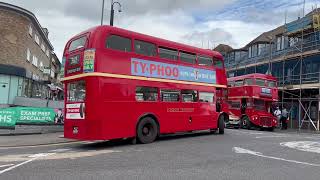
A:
(194, 22)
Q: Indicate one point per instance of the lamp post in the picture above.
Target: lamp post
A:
(112, 11)
(102, 12)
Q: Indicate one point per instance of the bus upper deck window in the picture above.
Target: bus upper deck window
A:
(145, 48)
(248, 82)
(205, 61)
(271, 84)
(188, 57)
(118, 43)
(167, 53)
(260, 82)
(77, 44)
(217, 63)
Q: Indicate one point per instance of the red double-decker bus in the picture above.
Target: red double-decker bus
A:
(123, 84)
(251, 98)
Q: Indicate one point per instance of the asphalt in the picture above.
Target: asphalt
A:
(195, 156)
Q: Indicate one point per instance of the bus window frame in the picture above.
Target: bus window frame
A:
(76, 38)
(117, 50)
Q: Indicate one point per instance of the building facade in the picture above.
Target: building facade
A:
(292, 54)
(27, 61)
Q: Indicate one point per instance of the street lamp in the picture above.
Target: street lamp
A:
(112, 11)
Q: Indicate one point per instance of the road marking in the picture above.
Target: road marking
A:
(308, 146)
(6, 165)
(34, 157)
(42, 145)
(59, 150)
(272, 136)
(259, 154)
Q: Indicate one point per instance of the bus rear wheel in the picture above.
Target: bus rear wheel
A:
(221, 124)
(147, 130)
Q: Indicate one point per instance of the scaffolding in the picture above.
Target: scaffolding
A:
(297, 90)
(304, 103)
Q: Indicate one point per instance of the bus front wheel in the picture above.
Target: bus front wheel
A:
(147, 130)
(245, 122)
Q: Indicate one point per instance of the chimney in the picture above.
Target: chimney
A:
(46, 32)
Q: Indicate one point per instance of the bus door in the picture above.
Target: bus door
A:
(207, 109)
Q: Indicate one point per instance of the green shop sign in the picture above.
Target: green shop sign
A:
(35, 115)
(9, 117)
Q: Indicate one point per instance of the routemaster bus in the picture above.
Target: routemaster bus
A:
(251, 98)
(123, 84)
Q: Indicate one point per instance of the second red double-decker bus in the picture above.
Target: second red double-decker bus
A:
(122, 84)
(251, 97)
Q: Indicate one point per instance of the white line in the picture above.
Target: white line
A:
(6, 165)
(275, 136)
(246, 151)
(35, 157)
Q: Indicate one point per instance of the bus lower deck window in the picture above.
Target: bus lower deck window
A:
(189, 96)
(170, 95)
(206, 97)
(146, 94)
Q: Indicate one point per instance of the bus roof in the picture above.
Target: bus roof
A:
(254, 76)
(159, 41)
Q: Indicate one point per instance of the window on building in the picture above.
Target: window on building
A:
(145, 48)
(281, 41)
(260, 82)
(167, 53)
(118, 43)
(261, 49)
(206, 97)
(30, 30)
(188, 57)
(205, 61)
(189, 95)
(47, 53)
(249, 52)
(43, 48)
(52, 73)
(41, 66)
(170, 95)
(146, 93)
(35, 61)
(36, 39)
(254, 50)
(28, 55)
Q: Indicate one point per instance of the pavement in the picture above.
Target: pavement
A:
(238, 154)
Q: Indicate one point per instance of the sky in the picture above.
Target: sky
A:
(201, 23)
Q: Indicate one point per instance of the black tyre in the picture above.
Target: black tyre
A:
(245, 122)
(147, 130)
(271, 129)
(221, 124)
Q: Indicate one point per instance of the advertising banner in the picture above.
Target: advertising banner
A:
(29, 115)
(153, 69)
(7, 118)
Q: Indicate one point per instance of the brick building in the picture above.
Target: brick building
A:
(28, 66)
(291, 53)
